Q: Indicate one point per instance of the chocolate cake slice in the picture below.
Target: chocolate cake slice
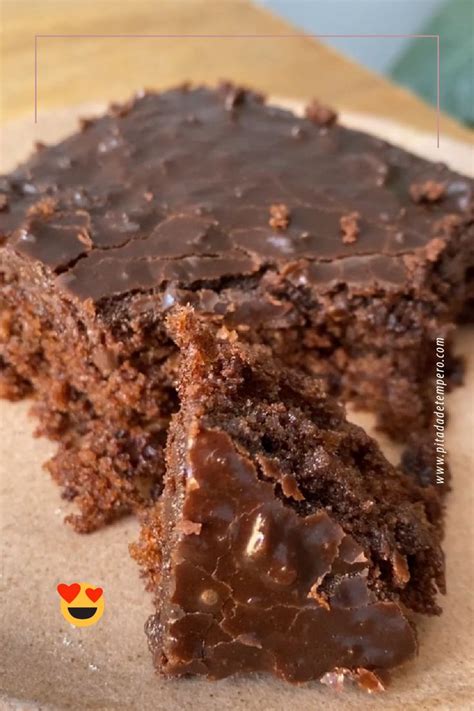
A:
(284, 541)
(344, 254)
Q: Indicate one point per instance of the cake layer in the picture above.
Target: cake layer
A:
(284, 541)
(344, 254)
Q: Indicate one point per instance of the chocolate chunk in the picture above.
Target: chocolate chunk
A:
(363, 678)
(236, 95)
(279, 217)
(320, 114)
(350, 227)
(85, 122)
(429, 191)
(43, 208)
(39, 146)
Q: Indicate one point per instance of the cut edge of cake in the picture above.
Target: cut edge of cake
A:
(251, 559)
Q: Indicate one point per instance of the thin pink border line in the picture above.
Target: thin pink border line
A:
(249, 36)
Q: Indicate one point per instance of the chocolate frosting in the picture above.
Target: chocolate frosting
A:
(193, 186)
(247, 572)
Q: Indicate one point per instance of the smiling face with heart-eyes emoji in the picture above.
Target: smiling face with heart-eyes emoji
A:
(82, 604)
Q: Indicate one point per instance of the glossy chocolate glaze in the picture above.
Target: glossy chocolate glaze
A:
(246, 578)
(179, 188)
(284, 541)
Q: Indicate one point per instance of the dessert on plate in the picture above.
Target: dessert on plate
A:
(345, 255)
(190, 287)
(284, 541)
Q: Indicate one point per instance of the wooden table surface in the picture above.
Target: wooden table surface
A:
(73, 70)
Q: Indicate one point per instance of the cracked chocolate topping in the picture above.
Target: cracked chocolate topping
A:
(246, 584)
(287, 543)
(178, 188)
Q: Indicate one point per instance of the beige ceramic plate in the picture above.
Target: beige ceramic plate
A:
(47, 664)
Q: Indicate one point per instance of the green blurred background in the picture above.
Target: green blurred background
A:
(411, 62)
